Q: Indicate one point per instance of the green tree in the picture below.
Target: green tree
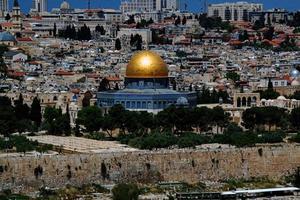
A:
(104, 85)
(296, 95)
(3, 68)
(219, 117)
(35, 112)
(54, 30)
(268, 94)
(118, 44)
(91, 118)
(53, 120)
(117, 116)
(137, 42)
(183, 20)
(233, 76)
(251, 118)
(150, 21)
(130, 20)
(7, 117)
(295, 118)
(166, 119)
(100, 29)
(269, 34)
(125, 192)
(177, 21)
(201, 118)
(257, 117)
(244, 36)
(3, 48)
(21, 110)
(7, 17)
(258, 24)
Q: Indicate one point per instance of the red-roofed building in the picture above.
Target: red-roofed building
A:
(16, 74)
(63, 73)
(114, 78)
(25, 40)
(8, 26)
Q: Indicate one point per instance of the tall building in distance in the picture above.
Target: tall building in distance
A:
(16, 16)
(4, 7)
(149, 5)
(238, 11)
(39, 5)
(168, 4)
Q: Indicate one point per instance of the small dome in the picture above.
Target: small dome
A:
(294, 73)
(182, 101)
(295, 83)
(31, 79)
(6, 36)
(281, 98)
(64, 5)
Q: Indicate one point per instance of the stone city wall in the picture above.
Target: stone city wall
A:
(28, 173)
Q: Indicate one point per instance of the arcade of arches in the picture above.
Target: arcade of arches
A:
(246, 100)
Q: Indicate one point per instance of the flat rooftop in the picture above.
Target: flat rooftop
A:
(82, 145)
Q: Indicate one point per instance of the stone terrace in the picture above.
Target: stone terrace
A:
(82, 145)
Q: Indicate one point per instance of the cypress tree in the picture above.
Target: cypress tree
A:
(35, 112)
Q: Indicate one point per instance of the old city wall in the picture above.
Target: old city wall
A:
(29, 173)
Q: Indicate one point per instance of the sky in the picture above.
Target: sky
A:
(192, 5)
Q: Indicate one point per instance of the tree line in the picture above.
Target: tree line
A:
(183, 127)
(70, 32)
(20, 117)
(172, 119)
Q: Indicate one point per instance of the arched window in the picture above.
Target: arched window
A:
(244, 102)
(238, 102)
(249, 102)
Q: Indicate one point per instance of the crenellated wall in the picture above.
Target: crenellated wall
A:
(28, 173)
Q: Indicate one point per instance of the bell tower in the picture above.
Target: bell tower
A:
(16, 16)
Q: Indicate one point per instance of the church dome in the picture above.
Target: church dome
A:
(146, 64)
(64, 5)
(281, 98)
(7, 37)
(294, 73)
(182, 101)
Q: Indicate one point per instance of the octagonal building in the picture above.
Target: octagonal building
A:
(146, 87)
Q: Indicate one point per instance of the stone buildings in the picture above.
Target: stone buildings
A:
(4, 7)
(149, 5)
(39, 6)
(238, 11)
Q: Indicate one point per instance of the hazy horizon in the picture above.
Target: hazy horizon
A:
(192, 5)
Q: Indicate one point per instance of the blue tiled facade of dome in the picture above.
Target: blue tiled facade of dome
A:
(6, 36)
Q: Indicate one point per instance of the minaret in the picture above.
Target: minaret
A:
(16, 16)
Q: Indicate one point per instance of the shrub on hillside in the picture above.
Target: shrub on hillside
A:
(125, 192)
(153, 141)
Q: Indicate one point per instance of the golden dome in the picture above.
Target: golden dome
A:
(146, 64)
